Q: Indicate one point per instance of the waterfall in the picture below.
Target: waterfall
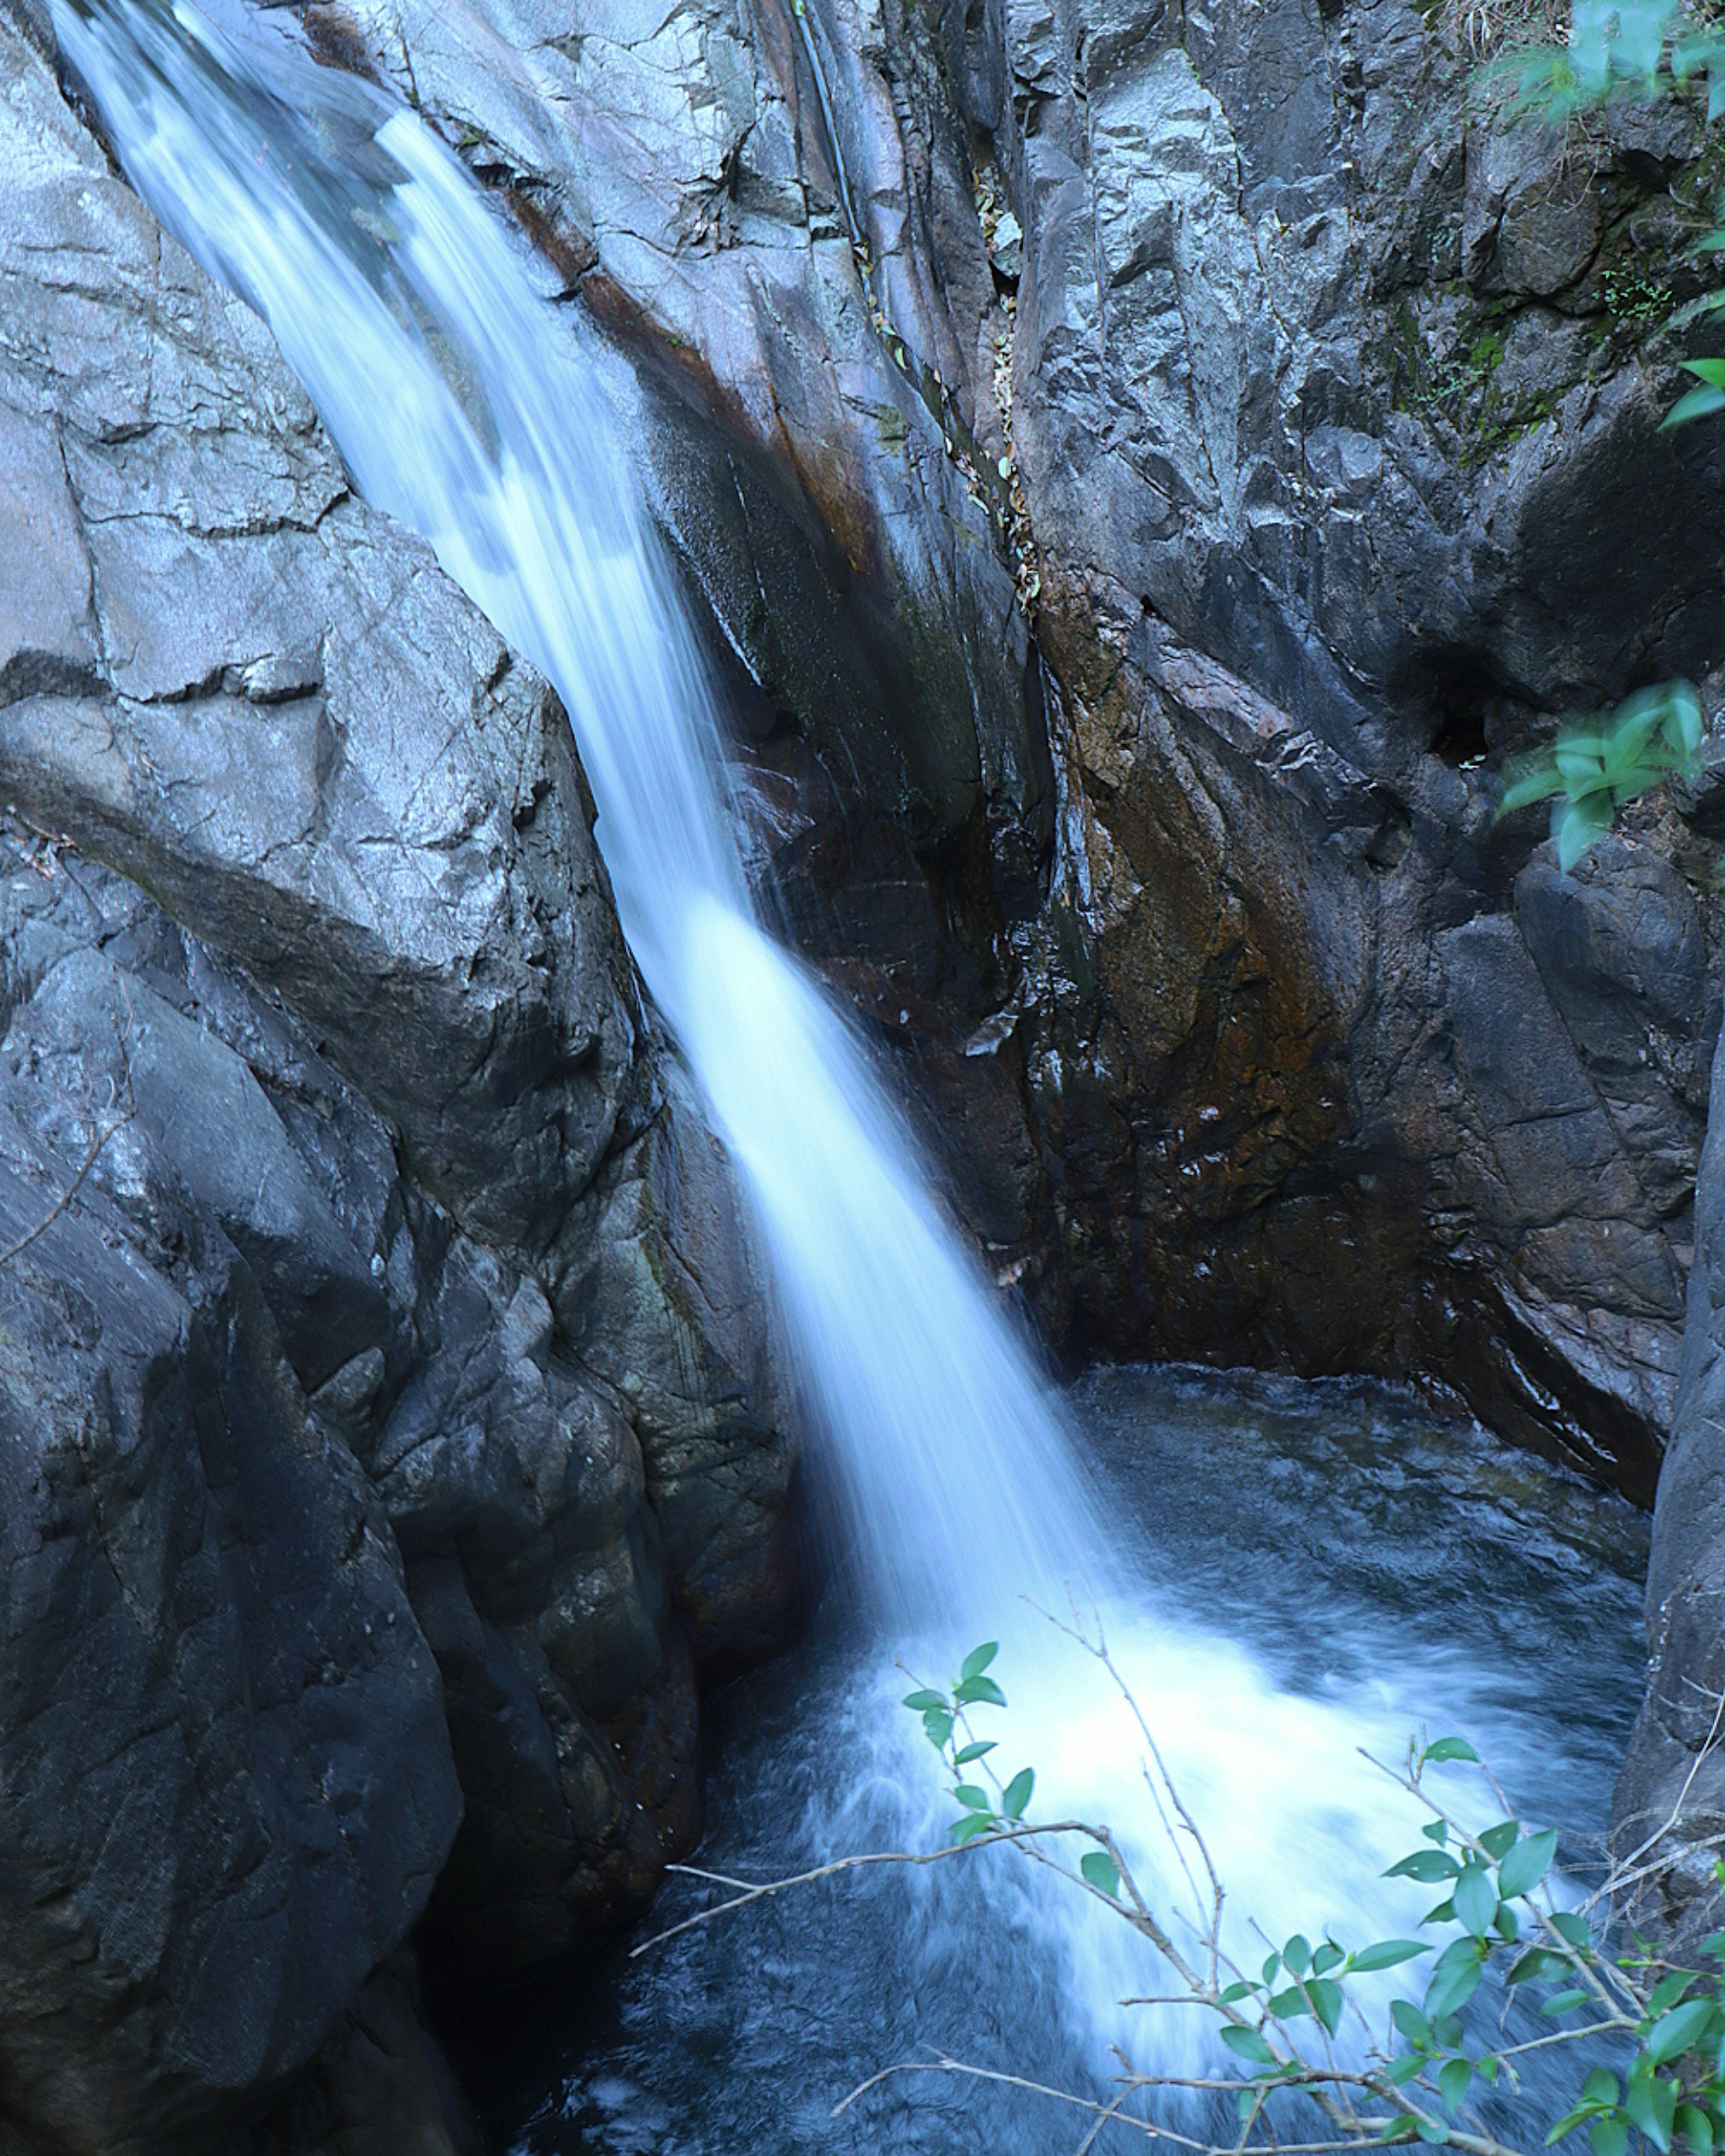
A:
(351, 230)
(468, 407)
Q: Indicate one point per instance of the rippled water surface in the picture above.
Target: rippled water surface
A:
(1362, 1553)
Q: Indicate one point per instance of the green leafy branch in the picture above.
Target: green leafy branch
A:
(1593, 768)
(1639, 47)
(1421, 2072)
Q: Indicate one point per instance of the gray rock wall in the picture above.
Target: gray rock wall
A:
(1334, 480)
(390, 1423)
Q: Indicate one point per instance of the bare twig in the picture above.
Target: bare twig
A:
(108, 1129)
(760, 1890)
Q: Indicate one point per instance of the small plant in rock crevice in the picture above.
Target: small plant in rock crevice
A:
(1597, 767)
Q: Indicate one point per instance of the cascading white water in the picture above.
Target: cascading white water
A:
(958, 1482)
(468, 407)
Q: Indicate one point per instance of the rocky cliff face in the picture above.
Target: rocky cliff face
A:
(1344, 480)
(1305, 405)
(390, 1427)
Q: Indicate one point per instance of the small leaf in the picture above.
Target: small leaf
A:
(979, 1692)
(1651, 2104)
(1668, 1991)
(1290, 2004)
(1609, 2136)
(1527, 1864)
(1678, 2031)
(920, 1701)
(1325, 1996)
(1432, 2130)
(973, 1798)
(1696, 404)
(937, 1727)
(1397, 2129)
(1235, 1992)
(1408, 2068)
(1579, 827)
(1443, 1914)
(1455, 2077)
(1475, 1899)
(1326, 1958)
(1101, 1872)
(1714, 1945)
(1247, 2044)
(972, 1752)
(1537, 779)
(1564, 2002)
(1412, 2023)
(1018, 1792)
(1506, 1924)
(1386, 1954)
(1695, 2128)
(1295, 1955)
(1271, 1964)
(1498, 1841)
(970, 1826)
(1438, 1831)
(1452, 1988)
(1576, 1930)
(978, 1659)
(1600, 2088)
(1448, 1747)
(1426, 1865)
(1537, 1961)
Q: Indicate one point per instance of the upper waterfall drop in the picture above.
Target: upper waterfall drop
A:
(463, 404)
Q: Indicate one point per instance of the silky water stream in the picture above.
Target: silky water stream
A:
(1279, 1594)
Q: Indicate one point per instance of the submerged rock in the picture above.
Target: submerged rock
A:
(353, 1595)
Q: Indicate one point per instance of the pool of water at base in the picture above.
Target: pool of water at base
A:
(1359, 1549)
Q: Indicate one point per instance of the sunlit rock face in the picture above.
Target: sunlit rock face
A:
(1334, 479)
(390, 1425)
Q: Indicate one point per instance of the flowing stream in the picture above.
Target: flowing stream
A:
(463, 403)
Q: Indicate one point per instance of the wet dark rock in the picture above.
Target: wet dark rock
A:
(380, 2083)
(1672, 1787)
